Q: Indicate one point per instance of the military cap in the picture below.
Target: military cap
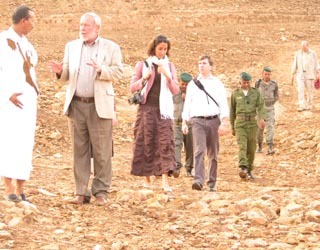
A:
(267, 69)
(245, 76)
(185, 77)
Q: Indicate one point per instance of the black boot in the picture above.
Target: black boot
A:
(249, 175)
(270, 149)
(259, 150)
(189, 173)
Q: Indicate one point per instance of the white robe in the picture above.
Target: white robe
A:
(17, 126)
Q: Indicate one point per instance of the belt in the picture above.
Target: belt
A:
(206, 117)
(246, 118)
(83, 99)
(268, 103)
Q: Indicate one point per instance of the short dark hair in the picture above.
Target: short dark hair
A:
(153, 44)
(203, 57)
(20, 13)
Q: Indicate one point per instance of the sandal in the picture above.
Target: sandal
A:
(13, 197)
(147, 185)
(167, 189)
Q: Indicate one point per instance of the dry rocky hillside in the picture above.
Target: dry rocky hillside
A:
(280, 209)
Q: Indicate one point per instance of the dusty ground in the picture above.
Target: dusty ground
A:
(279, 210)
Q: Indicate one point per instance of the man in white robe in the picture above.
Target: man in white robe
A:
(18, 103)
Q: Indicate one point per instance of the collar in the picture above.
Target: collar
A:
(210, 77)
(14, 35)
(94, 43)
(266, 83)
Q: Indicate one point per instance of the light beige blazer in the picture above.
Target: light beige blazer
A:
(308, 68)
(110, 59)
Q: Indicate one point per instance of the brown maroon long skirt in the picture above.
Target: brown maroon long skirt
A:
(153, 146)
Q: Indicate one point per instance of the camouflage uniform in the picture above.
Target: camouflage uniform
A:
(244, 112)
(270, 94)
(179, 138)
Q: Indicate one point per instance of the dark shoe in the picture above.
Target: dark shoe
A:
(250, 176)
(212, 189)
(100, 201)
(23, 197)
(196, 186)
(80, 200)
(259, 150)
(189, 174)
(86, 200)
(270, 150)
(13, 197)
(243, 172)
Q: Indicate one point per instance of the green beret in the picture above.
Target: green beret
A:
(267, 69)
(185, 77)
(245, 76)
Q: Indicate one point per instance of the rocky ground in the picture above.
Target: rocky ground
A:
(280, 209)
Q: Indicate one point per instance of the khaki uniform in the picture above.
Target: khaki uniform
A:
(179, 138)
(270, 95)
(244, 112)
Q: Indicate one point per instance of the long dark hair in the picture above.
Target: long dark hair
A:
(153, 44)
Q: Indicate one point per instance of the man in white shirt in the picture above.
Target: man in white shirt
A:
(305, 67)
(208, 111)
(18, 101)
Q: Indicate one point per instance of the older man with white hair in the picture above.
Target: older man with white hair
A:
(91, 64)
(305, 67)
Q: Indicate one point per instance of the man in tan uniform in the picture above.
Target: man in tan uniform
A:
(270, 93)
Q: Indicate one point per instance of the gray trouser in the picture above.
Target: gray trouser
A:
(85, 128)
(181, 140)
(269, 127)
(205, 140)
(301, 85)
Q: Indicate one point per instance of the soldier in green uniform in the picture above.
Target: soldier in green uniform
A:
(181, 139)
(270, 93)
(247, 112)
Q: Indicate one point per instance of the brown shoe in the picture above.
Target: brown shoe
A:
(100, 201)
(176, 173)
(80, 200)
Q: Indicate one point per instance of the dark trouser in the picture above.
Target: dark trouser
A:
(205, 139)
(181, 140)
(85, 128)
(246, 139)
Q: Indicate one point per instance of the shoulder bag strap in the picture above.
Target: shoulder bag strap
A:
(200, 86)
(26, 69)
(146, 81)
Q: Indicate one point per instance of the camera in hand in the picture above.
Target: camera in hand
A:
(137, 98)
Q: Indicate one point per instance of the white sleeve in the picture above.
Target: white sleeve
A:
(187, 103)
(5, 87)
